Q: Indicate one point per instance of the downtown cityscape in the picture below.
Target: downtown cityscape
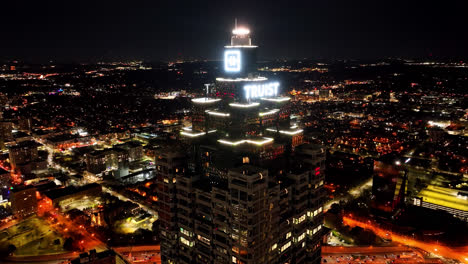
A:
(241, 153)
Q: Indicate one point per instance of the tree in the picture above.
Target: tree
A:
(68, 244)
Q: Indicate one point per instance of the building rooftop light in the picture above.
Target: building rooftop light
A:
(287, 132)
(277, 99)
(256, 79)
(217, 113)
(269, 112)
(191, 134)
(244, 105)
(258, 142)
(241, 31)
(205, 100)
(240, 46)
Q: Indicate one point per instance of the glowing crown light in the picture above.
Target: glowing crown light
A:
(241, 31)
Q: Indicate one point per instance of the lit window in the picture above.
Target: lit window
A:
(186, 232)
(300, 219)
(203, 239)
(274, 247)
(286, 246)
(245, 160)
(301, 237)
(186, 242)
(288, 235)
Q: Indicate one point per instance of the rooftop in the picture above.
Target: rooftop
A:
(444, 197)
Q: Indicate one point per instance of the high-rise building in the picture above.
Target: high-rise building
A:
(241, 185)
(6, 128)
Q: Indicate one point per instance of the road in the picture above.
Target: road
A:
(141, 254)
(49, 259)
(460, 254)
(353, 193)
(370, 254)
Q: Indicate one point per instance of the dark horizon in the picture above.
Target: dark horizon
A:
(330, 30)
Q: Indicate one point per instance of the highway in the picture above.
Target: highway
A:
(370, 254)
(148, 254)
(460, 254)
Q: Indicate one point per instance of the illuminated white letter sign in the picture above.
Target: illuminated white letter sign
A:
(232, 60)
(261, 90)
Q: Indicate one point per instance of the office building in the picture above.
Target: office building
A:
(241, 185)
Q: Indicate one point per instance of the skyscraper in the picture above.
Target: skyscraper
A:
(241, 185)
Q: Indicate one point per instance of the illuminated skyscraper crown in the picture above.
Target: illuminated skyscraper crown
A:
(240, 36)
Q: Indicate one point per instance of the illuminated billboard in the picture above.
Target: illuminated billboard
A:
(232, 60)
(253, 91)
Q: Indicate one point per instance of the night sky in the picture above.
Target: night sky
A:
(71, 30)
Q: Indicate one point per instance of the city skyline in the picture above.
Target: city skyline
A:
(245, 158)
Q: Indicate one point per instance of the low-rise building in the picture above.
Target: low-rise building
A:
(24, 201)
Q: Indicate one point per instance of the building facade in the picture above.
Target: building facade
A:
(241, 185)
(24, 202)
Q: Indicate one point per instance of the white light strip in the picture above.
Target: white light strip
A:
(230, 142)
(286, 132)
(212, 131)
(187, 128)
(291, 132)
(235, 143)
(205, 100)
(240, 46)
(257, 79)
(218, 113)
(244, 105)
(258, 143)
(269, 112)
(188, 134)
(277, 99)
